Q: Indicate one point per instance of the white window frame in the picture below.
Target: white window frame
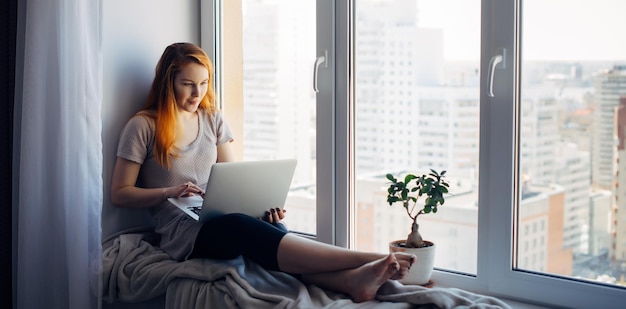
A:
(497, 195)
(498, 174)
(220, 46)
(331, 170)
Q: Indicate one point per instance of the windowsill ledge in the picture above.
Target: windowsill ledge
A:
(521, 305)
(515, 304)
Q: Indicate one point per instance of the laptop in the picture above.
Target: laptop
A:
(248, 187)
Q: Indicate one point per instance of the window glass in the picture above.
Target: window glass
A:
(572, 134)
(416, 108)
(279, 102)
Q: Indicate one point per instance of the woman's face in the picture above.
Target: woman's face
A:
(190, 86)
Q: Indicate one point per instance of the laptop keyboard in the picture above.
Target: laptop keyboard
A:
(196, 209)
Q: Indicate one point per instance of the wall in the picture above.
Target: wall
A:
(135, 33)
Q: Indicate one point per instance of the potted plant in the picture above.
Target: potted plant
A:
(407, 192)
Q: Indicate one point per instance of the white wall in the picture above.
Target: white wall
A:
(135, 33)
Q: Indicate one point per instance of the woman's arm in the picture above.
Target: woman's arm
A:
(225, 153)
(124, 192)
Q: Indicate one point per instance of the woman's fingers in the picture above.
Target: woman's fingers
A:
(267, 217)
(281, 213)
(277, 214)
(189, 189)
(274, 215)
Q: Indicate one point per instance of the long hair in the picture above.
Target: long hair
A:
(162, 100)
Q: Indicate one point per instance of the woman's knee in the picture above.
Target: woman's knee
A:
(237, 220)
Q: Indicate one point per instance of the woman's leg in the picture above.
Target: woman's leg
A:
(229, 236)
(232, 235)
(301, 255)
(356, 273)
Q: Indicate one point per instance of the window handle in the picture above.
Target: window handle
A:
(318, 62)
(493, 63)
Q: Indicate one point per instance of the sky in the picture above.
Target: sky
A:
(552, 29)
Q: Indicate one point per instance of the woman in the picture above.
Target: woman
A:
(167, 149)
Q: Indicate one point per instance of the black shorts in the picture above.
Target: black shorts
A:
(232, 235)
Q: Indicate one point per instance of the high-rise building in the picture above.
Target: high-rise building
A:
(447, 137)
(539, 134)
(572, 172)
(388, 69)
(600, 239)
(540, 238)
(279, 102)
(609, 87)
(619, 191)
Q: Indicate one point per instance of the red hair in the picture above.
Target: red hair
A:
(161, 98)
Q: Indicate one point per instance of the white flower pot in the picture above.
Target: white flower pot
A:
(420, 272)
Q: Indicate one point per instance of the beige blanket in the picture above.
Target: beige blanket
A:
(135, 271)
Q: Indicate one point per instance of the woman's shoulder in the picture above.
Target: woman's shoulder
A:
(142, 122)
(211, 113)
(143, 118)
(213, 116)
(147, 114)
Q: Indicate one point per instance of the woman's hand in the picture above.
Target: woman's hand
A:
(274, 215)
(184, 190)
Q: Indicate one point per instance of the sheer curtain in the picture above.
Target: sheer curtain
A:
(59, 198)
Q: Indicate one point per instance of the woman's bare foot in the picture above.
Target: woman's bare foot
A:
(363, 282)
(406, 261)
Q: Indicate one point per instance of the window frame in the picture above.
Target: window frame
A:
(498, 145)
(499, 142)
(332, 186)
(503, 166)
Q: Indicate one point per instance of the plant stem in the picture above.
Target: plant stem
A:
(408, 212)
(417, 215)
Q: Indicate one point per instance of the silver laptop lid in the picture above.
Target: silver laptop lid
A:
(249, 187)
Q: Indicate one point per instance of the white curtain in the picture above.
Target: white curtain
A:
(59, 200)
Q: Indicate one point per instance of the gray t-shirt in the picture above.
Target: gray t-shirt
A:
(178, 231)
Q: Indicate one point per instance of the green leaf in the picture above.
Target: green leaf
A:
(408, 178)
(431, 202)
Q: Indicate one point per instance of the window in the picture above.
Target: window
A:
(534, 140)
(530, 217)
(563, 123)
(279, 103)
(441, 41)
